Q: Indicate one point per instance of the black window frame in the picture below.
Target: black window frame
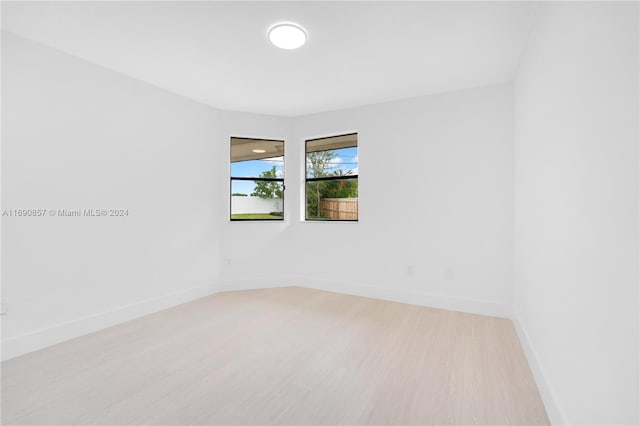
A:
(328, 178)
(254, 179)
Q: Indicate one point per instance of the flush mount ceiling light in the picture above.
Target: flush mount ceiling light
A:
(258, 151)
(287, 36)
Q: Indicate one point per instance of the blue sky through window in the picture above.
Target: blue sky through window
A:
(346, 159)
(253, 168)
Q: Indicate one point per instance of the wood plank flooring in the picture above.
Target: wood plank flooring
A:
(290, 356)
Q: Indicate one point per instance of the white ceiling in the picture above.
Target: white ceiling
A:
(217, 52)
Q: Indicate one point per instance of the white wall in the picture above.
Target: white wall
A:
(576, 169)
(450, 158)
(76, 135)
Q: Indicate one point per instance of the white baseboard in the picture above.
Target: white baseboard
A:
(253, 283)
(555, 413)
(432, 300)
(19, 345)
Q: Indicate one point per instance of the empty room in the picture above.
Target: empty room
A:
(320, 213)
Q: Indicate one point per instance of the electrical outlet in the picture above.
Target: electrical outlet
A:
(448, 274)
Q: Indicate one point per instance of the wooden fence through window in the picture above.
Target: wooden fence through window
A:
(339, 208)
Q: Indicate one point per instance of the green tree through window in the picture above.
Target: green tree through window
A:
(268, 189)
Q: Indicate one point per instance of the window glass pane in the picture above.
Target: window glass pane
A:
(257, 158)
(256, 200)
(334, 156)
(334, 199)
(334, 162)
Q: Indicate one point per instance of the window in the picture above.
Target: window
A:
(332, 178)
(257, 179)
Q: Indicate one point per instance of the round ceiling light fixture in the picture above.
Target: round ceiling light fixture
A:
(287, 36)
(258, 151)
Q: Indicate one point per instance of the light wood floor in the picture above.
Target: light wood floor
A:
(280, 356)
